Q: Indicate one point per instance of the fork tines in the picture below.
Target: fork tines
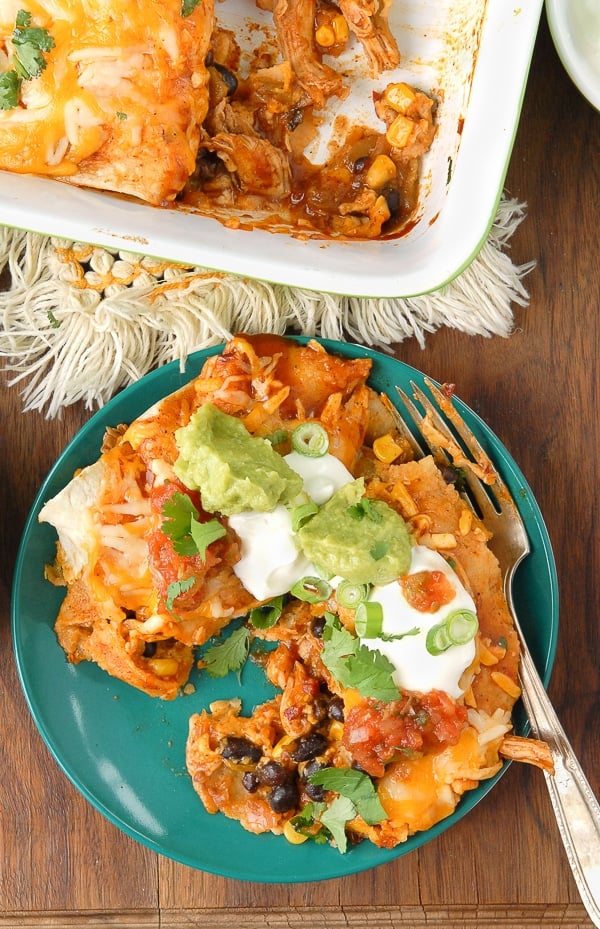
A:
(437, 437)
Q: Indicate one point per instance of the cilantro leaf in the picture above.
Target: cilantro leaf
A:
(181, 524)
(379, 550)
(30, 42)
(308, 822)
(365, 508)
(339, 812)
(10, 84)
(188, 7)
(176, 588)
(308, 815)
(338, 644)
(356, 786)
(205, 533)
(396, 636)
(372, 673)
(354, 664)
(177, 520)
(229, 655)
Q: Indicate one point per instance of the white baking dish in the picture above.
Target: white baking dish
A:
(473, 55)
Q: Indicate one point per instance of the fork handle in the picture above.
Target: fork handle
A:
(576, 809)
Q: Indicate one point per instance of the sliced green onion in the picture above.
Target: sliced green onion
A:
(350, 595)
(263, 617)
(458, 628)
(462, 626)
(310, 439)
(437, 640)
(302, 513)
(311, 589)
(368, 619)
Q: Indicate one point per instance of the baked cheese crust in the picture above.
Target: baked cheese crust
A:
(121, 100)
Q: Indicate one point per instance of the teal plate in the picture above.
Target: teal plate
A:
(125, 752)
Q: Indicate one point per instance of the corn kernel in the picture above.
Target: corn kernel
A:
(399, 96)
(400, 131)
(381, 209)
(381, 172)
(384, 447)
(340, 28)
(465, 522)
(336, 731)
(163, 667)
(325, 36)
(296, 838)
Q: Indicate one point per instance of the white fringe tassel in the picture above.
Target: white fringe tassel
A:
(79, 323)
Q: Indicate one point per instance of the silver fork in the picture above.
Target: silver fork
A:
(576, 809)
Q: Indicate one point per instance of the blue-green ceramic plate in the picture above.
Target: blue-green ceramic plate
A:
(125, 751)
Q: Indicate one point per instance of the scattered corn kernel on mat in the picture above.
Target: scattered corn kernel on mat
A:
(78, 322)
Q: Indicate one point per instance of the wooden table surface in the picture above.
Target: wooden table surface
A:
(62, 864)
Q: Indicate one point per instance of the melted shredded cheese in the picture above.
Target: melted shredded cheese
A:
(121, 74)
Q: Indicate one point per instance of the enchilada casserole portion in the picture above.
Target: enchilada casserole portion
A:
(271, 507)
(163, 102)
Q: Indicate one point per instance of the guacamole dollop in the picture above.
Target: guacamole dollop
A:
(234, 471)
(357, 538)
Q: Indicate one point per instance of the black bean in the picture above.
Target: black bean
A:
(237, 748)
(359, 165)
(317, 626)
(283, 797)
(309, 746)
(311, 767)
(295, 117)
(392, 198)
(250, 781)
(272, 774)
(320, 707)
(336, 709)
(149, 650)
(228, 78)
(314, 791)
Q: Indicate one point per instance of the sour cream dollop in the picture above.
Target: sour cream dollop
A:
(271, 563)
(416, 668)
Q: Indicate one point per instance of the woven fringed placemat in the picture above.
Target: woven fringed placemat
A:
(79, 322)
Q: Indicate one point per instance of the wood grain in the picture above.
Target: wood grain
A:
(63, 865)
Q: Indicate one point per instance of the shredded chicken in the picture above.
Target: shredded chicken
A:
(529, 751)
(294, 22)
(368, 19)
(257, 166)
